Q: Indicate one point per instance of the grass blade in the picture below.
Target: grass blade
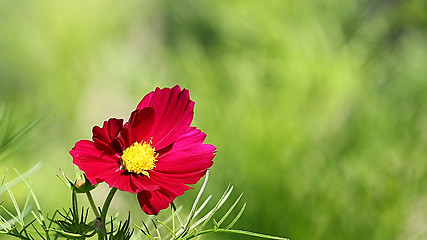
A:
(34, 198)
(26, 175)
(14, 218)
(15, 204)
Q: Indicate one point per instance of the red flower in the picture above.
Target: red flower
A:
(155, 154)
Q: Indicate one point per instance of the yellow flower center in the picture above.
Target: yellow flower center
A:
(139, 158)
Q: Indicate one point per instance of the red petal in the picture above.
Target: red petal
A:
(138, 127)
(145, 102)
(170, 185)
(174, 113)
(188, 155)
(104, 137)
(152, 202)
(130, 182)
(179, 163)
(185, 178)
(193, 137)
(185, 163)
(93, 161)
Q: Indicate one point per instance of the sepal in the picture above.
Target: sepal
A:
(81, 185)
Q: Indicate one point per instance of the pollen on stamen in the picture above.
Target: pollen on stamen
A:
(139, 158)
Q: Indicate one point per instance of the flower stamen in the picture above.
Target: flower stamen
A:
(139, 158)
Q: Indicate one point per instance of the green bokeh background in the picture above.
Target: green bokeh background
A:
(318, 108)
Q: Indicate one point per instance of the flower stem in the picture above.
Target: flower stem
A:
(102, 234)
(92, 204)
(107, 203)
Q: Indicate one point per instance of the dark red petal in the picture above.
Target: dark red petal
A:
(152, 202)
(174, 113)
(129, 182)
(138, 127)
(104, 137)
(93, 161)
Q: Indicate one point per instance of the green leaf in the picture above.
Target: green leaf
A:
(202, 206)
(67, 234)
(230, 210)
(240, 232)
(221, 201)
(237, 217)
(166, 226)
(248, 233)
(184, 230)
(146, 232)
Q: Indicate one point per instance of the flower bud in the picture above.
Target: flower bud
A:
(80, 184)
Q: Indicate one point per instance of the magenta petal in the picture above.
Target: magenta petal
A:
(174, 113)
(94, 162)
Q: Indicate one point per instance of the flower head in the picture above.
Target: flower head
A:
(155, 154)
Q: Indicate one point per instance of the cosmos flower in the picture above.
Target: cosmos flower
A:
(155, 154)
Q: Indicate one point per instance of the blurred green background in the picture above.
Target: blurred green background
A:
(318, 108)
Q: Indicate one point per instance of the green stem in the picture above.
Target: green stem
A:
(241, 232)
(102, 234)
(107, 203)
(92, 204)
